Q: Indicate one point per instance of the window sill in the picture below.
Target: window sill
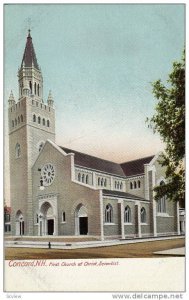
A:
(163, 215)
(125, 223)
(144, 224)
(63, 222)
(36, 224)
(110, 224)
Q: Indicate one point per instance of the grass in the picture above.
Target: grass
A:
(137, 250)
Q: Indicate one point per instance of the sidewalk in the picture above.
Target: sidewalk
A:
(172, 252)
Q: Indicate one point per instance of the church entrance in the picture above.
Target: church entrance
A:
(81, 220)
(50, 226)
(83, 225)
(19, 223)
(47, 219)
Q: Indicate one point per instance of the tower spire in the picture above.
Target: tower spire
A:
(11, 100)
(50, 101)
(29, 56)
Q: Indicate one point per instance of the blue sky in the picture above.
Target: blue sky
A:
(99, 61)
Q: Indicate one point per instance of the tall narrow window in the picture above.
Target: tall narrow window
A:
(143, 215)
(21, 118)
(83, 178)
(15, 122)
(30, 84)
(48, 123)
(43, 121)
(127, 216)
(38, 89)
(12, 123)
(35, 88)
(37, 218)
(105, 182)
(102, 181)
(135, 185)
(34, 118)
(131, 185)
(63, 216)
(121, 186)
(18, 120)
(98, 180)
(87, 179)
(79, 177)
(17, 150)
(162, 202)
(108, 214)
(39, 120)
(139, 184)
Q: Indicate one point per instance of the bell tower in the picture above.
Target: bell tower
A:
(31, 123)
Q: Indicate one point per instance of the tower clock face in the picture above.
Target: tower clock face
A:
(48, 174)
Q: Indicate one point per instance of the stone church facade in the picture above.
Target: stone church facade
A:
(62, 192)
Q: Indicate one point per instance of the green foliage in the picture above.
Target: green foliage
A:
(169, 122)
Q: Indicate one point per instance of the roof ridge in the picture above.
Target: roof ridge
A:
(137, 159)
(90, 155)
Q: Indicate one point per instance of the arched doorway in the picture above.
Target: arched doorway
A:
(81, 220)
(19, 223)
(46, 220)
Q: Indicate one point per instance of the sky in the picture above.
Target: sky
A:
(99, 62)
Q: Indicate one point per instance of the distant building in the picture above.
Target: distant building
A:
(59, 191)
(7, 220)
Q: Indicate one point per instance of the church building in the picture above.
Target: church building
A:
(62, 192)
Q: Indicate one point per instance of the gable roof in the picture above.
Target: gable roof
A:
(95, 163)
(135, 167)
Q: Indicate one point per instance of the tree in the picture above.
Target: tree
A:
(169, 122)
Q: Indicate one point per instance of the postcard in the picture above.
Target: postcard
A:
(94, 148)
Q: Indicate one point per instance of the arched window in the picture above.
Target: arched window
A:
(18, 120)
(127, 216)
(39, 120)
(83, 178)
(135, 185)
(12, 123)
(87, 179)
(131, 185)
(105, 182)
(121, 186)
(98, 180)
(162, 202)
(15, 122)
(48, 123)
(17, 150)
(108, 214)
(35, 88)
(143, 215)
(139, 184)
(34, 118)
(63, 216)
(43, 121)
(102, 181)
(38, 89)
(79, 177)
(21, 118)
(30, 84)
(41, 144)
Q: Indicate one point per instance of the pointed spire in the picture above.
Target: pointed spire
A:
(29, 56)
(50, 100)
(11, 100)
